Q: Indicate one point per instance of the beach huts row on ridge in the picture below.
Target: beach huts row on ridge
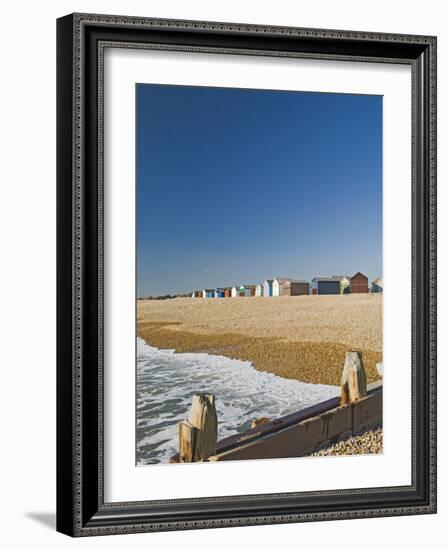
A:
(284, 286)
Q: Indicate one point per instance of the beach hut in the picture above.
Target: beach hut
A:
(277, 285)
(219, 292)
(359, 283)
(295, 287)
(228, 292)
(377, 285)
(267, 288)
(235, 292)
(208, 293)
(325, 285)
(247, 290)
(196, 294)
(259, 290)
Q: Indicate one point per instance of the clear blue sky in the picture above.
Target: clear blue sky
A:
(236, 186)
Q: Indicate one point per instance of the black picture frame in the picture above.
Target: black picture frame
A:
(81, 510)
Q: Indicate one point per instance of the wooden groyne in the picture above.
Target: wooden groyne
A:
(298, 434)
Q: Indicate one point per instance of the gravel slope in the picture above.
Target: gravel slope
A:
(303, 337)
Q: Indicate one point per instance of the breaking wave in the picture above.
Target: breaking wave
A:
(166, 382)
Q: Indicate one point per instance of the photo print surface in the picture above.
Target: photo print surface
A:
(259, 274)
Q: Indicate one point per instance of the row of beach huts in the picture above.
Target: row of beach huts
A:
(284, 286)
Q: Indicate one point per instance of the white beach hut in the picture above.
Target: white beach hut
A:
(259, 290)
(277, 286)
(267, 288)
(235, 292)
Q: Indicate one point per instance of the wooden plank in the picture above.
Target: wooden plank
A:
(368, 413)
(275, 426)
(293, 441)
(310, 434)
(278, 424)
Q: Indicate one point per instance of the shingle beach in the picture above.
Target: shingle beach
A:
(299, 337)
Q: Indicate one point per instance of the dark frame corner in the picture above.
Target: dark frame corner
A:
(81, 510)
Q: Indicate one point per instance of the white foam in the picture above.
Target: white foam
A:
(166, 382)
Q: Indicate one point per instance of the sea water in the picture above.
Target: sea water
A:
(166, 382)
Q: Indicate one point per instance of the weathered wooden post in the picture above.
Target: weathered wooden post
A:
(198, 436)
(187, 441)
(353, 382)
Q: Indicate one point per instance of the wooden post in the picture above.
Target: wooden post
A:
(353, 382)
(187, 441)
(198, 436)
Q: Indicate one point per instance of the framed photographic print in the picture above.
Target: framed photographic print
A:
(246, 274)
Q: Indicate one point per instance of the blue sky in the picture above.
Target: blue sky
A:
(235, 186)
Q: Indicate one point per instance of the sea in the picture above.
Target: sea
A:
(167, 381)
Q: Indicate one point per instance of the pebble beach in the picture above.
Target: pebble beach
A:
(301, 337)
(369, 442)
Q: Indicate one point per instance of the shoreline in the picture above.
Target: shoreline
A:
(167, 380)
(311, 362)
(302, 338)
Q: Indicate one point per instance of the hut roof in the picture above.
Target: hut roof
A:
(270, 281)
(302, 281)
(340, 277)
(283, 280)
(361, 274)
(332, 278)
